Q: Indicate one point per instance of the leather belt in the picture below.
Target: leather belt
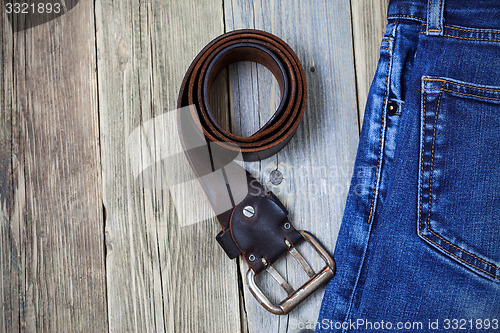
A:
(256, 226)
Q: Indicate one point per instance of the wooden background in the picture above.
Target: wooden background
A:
(83, 247)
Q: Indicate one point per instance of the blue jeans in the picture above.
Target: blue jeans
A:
(419, 245)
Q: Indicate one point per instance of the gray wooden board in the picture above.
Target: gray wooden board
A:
(161, 276)
(10, 215)
(51, 249)
(368, 27)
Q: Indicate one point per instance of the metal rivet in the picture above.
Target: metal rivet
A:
(392, 108)
(312, 69)
(264, 261)
(287, 225)
(248, 211)
(251, 257)
(276, 177)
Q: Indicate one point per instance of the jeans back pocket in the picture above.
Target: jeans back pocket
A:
(459, 173)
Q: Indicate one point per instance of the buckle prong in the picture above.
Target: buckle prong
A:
(300, 259)
(295, 297)
(280, 279)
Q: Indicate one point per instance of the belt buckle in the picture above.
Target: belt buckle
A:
(295, 297)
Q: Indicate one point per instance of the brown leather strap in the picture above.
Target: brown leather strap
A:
(259, 235)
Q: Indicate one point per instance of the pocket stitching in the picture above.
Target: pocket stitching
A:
(472, 30)
(460, 93)
(458, 84)
(468, 38)
(430, 190)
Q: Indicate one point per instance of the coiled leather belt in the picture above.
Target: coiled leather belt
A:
(256, 226)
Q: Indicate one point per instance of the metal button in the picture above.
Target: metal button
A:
(392, 108)
(248, 211)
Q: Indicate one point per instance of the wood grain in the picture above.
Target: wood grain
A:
(10, 185)
(51, 214)
(317, 163)
(368, 27)
(162, 276)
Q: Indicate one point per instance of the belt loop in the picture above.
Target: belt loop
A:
(435, 10)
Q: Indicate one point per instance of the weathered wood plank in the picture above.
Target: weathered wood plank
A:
(10, 184)
(317, 163)
(368, 26)
(53, 274)
(162, 276)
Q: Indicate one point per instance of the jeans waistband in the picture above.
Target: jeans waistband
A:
(480, 14)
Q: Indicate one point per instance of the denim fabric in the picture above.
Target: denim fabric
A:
(420, 238)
